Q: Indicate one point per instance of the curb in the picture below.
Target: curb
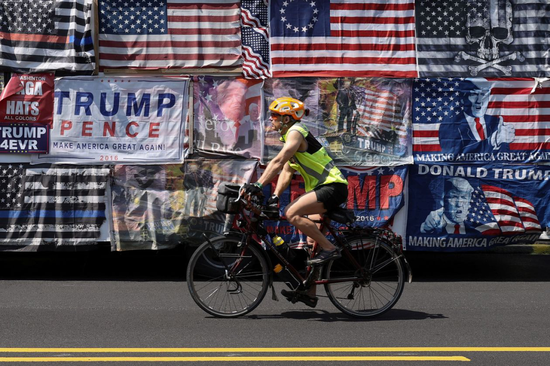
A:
(538, 248)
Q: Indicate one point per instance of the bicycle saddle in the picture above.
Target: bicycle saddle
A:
(341, 215)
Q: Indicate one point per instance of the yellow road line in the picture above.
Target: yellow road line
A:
(234, 359)
(276, 349)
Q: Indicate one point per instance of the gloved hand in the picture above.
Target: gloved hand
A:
(272, 208)
(273, 201)
(253, 189)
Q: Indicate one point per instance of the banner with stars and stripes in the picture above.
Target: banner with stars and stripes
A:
(46, 35)
(482, 38)
(474, 207)
(481, 120)
(51, 207)
(163, 34)
(255, 39)
(352, 38)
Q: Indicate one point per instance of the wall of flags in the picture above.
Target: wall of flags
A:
(119, 119)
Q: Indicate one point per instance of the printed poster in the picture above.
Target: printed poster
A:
(481, 121)
(473, 207)
(361, 121)
(28, 98)
(162, 206)
(227, 116)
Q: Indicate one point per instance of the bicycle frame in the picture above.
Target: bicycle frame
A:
(230, 275)
(249, 225)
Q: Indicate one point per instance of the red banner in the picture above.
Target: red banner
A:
(28, 98)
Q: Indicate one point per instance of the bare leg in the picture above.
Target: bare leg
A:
(307, 205)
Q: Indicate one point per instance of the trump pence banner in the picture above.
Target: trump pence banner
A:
(118, 119)
(473, 207)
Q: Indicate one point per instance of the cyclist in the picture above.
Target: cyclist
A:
(326, 187)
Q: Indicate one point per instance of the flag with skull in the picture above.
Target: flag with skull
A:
(483, 38)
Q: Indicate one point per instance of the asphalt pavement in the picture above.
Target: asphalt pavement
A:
(99, 307)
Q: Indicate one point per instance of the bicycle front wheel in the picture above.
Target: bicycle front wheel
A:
(368, 290)
(227, 278)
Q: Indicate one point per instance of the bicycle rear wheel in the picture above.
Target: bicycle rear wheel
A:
(377, 285)
(227, 278)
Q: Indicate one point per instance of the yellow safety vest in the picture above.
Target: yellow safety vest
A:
(314, 164)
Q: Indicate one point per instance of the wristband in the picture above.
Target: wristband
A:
(259, 185)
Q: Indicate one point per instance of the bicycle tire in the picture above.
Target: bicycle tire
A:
(380, 287)
(233, 294)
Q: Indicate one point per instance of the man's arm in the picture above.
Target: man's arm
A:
(285, 177)
(290, 147)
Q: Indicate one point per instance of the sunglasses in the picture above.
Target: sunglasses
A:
(275, 115)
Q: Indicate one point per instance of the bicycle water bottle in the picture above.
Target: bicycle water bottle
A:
(282, 247)
(286, 276)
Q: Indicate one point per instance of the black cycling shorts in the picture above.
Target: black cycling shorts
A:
(332, 195)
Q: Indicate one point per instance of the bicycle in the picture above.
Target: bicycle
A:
(229, 276)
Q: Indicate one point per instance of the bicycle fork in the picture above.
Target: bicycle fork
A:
(227, 271)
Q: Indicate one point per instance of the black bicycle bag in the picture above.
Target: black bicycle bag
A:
(227, 198)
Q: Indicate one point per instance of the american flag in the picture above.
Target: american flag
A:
(343, 38)
(51, 206)
(434, 101)
(255, 39)
(525, 104)
(380, 115)
(452, 38)
(46, 35)
(161, 34)
(497, 211)
(522, 103)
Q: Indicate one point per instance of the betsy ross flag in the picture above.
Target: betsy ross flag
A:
(342, 38)
(496, 211)
(255, 39)
(520, 103)
(161, 34)
(51, 206)
(46, 35)
(469, 38)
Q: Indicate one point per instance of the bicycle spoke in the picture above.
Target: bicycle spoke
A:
(376, 287)
(229, 280)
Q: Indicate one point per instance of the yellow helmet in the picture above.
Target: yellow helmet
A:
(289, 106)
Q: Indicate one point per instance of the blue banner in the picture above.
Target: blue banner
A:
(375, 194)
(480, 121)
(472, 207)
(24, 138)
